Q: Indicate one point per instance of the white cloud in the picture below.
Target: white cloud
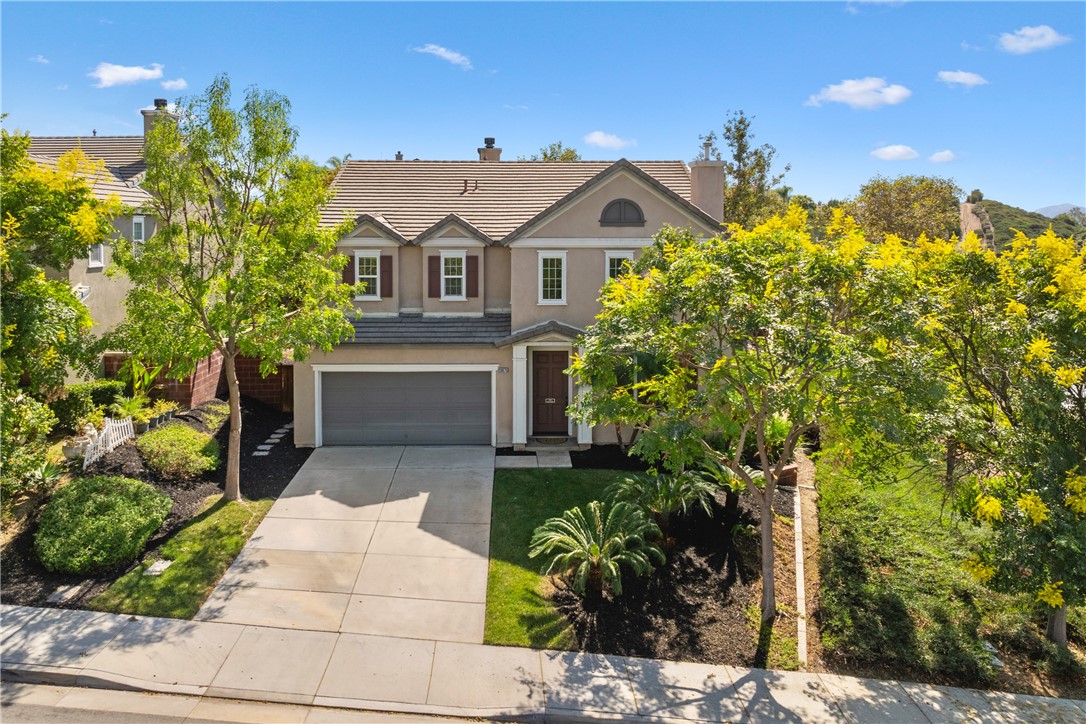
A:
(39, 58)
(961, 77)
(457, 59)
(517, 107)
(861, 93)
(966, 45)
(108, 74)
(62, 87)
(175, 85)
(894, 153)
(942, 156)
(1031, 38)
(608, 140)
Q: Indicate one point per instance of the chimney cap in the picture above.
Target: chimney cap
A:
(160, 104)
(488, 142)
(399, 155)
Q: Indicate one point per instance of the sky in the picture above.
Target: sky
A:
(992, 95)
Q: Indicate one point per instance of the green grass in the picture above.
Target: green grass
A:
(201, 552)
(518, 612)
(894, 597)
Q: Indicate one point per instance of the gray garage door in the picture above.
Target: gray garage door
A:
(405, 408)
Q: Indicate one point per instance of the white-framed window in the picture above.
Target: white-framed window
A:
(618, 263)
(138, 234)
(552, 277)
(367, 273)
(453, 276)
(96, 259)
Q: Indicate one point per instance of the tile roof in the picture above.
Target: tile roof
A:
(416, 329)
(495, 198)
(122, 155)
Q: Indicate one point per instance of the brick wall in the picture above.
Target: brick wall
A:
(277, 389)
(206, 383)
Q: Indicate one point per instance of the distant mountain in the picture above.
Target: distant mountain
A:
(1000, 220)
(1054, 211)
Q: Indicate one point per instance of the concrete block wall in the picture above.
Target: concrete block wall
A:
(206, 383)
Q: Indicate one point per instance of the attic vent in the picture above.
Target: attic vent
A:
(622, 212)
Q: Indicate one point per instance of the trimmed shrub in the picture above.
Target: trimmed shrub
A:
(103, 392)
(95, 524)
(179, 451)
(81, 400)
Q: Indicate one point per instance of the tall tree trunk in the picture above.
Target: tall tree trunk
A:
(1057, 626)
(769, 596)
(232, 490)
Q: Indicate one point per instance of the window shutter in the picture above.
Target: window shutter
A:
(433, 265)
(348, 271)
(386, 277)
(473, 276)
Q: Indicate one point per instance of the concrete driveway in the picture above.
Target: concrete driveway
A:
(389, 541)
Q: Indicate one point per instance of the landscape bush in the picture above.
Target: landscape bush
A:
(97, 523)
(179, 451)
(81, 401)
(592, 547)
(25, 424)
(663, 494)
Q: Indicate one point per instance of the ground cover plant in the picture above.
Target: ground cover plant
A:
(897, 601)
(179, 451)
(97, 523)
(200, 552)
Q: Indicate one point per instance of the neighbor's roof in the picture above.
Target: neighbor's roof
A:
(103, 185)
(123, 155)
(413, 196)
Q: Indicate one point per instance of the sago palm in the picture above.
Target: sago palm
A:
(592, 545)
(662, 495)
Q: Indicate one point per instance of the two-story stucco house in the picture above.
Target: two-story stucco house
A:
(476, 279)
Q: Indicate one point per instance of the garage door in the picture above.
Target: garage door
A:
(405, 408)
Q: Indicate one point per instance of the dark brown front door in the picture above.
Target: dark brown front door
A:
(550, 393)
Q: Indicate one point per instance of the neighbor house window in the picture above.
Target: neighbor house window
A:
(137, 234)
(552, 277)
(618, 263)
(452, 276)
(97, 256)
(368, 274)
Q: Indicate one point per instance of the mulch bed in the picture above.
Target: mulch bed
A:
(695, 607)
(606, 457)
(23, 580)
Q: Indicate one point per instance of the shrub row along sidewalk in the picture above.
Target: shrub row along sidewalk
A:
(409, 675)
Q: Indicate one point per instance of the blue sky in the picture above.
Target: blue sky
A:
(990, 94)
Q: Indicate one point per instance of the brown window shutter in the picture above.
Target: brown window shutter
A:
(433, 265)
(473, 276)
(386, 277)
(348, 271)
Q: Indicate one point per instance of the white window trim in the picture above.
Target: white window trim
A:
(374, 254)
(539, 276)
(100, 262)
(463, 256)
(608, 256)
(143, 229)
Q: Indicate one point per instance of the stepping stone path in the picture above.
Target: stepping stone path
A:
(66, 593)
(275, 437)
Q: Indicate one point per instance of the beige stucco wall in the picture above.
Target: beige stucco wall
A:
(410, 278)
(305, 403)
(581, 218)
(496, 269)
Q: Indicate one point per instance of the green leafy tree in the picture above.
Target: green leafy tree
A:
(239, 264)
(556, 152)
(975, 196)
(1007, 333)
(908, 206)
(749, 181)
(762, 327)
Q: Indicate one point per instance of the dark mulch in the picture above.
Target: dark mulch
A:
(23, 580)
(691, 609)
(606, 457)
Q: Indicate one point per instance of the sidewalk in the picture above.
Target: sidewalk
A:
(357, 671)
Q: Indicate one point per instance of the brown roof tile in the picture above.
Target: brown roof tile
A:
(413, 196)
(104, 184)
(122, 154)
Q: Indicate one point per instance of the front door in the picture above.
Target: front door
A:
(550, 393)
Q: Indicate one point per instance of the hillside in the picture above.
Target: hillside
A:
(1005, 218)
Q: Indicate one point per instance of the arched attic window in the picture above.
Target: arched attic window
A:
(622, 212)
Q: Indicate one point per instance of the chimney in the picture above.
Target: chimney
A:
(151, 117)
(488, 152)
(707, 186)
(399, 155)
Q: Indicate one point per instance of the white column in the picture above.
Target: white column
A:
(584, 430)
(520, 394)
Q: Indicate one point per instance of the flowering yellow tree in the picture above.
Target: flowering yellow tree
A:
(1007, 334)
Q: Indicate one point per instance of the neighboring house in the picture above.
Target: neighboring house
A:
(477, 277)
(102, 293)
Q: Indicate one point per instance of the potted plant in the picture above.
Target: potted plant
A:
(141, 421)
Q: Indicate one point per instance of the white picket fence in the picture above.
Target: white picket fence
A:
(113, 434)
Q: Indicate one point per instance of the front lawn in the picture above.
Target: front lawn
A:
(518, 612)
(201, 552)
